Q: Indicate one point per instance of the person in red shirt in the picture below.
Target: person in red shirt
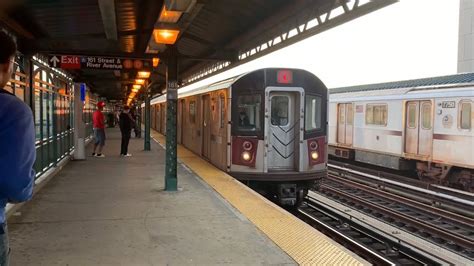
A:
(98, 124)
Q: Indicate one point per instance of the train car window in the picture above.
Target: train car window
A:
(465, 116)
(411, 123)
(192, 112)
(279, 114)
(221, 111)
(376, 115)
(249, 107)
(426, 115)
(312, 112)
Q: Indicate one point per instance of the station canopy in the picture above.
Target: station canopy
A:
(211, 35)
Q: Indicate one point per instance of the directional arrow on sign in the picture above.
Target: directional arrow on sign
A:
(55, 60)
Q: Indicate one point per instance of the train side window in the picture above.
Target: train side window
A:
(426, 115)
(249, 107)
(312, 112)
(192, 112)
(411, 122)
(279, 114)
(465, 115)
(376, 114)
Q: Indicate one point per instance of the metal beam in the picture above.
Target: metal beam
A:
(107, 11)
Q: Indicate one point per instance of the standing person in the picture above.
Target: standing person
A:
(17, 144)
(126, 123)
(98, 125)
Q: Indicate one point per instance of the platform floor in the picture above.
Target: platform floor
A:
(113, 211)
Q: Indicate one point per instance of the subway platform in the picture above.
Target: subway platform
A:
(113, 211)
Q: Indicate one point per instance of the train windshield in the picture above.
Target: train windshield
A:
(313, 112)
(249, 107)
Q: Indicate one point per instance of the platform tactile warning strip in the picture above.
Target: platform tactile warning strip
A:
(287, 231)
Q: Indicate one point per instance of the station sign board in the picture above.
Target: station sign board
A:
(98, 62)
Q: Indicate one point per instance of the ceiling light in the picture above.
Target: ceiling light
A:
(167, 16)
(140, 81)
(137, 86)
(165, 36)
(156, 61)
(144, 74)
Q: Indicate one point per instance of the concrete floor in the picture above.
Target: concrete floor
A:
(113, 211)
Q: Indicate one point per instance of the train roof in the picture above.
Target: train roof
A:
(441, 82)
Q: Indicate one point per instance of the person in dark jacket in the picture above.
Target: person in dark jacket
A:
(126, 123)
(17, 144)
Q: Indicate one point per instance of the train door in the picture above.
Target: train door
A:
(418, 128)
(282, 131)
(206, 126)
(344, 123)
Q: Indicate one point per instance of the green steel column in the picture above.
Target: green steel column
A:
(147, 120)
(171, 178)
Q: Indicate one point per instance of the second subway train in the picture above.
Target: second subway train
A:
(266, 128)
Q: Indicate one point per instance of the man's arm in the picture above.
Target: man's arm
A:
(16, 165)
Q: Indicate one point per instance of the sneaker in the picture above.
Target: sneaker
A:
(127, 155)
(100, 155)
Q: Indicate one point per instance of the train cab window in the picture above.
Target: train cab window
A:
(249, 108)
(426, 115)
(312, 112)
(279, 115)
(376, 115)
(465, 115)
(192, 112)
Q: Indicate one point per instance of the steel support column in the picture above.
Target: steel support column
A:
(171, 179)
(147, 145)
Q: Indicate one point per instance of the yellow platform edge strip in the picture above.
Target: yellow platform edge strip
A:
(285, 230)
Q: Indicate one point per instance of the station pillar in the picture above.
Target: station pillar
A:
(147, 145)
(171, 178)
(79, 126)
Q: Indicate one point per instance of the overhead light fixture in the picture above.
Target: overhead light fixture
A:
(137, 86)
(140, 81)
(167, 16)
(165, 36)
(156, 61)
(144, 74)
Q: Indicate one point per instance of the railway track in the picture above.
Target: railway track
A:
(407, 230)
(441, 197)
(373, 247)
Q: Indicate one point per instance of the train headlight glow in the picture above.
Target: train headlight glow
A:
(314, 155)
(246, 156)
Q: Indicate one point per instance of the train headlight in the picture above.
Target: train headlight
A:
(314, 155)
(246, 156)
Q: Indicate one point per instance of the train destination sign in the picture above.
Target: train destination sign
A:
(97, 62)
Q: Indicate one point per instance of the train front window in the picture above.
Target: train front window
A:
(279, 110)
(249, 107)
(312, 112)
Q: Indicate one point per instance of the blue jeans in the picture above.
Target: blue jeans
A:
(4, 247)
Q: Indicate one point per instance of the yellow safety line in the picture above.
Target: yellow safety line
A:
(304, 244)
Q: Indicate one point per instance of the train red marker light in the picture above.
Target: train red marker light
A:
(247, 145)
(313, 145)
(284, 76)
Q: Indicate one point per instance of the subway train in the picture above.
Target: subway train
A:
(424, 125)
(266, 128)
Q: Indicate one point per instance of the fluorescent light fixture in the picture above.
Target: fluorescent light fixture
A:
(140, 81)
(137, 86)
(156, 61)
(144, 74)
(165, 36)
(167, 16)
